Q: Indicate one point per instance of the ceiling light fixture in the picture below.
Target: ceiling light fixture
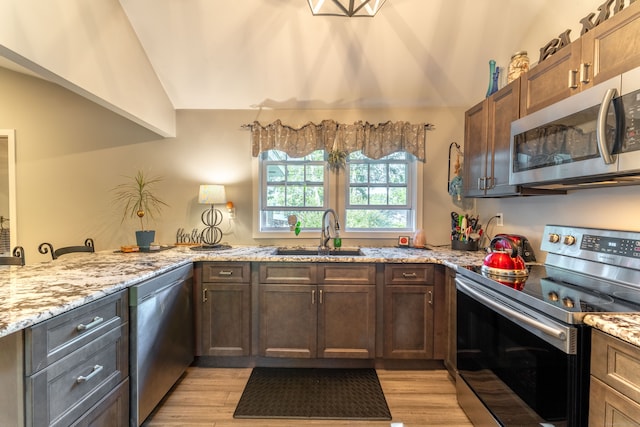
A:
(345, 7)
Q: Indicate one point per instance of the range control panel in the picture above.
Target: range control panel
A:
(614, 247)
(611, 245)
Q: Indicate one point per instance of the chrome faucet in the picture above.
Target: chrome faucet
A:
(325, 234)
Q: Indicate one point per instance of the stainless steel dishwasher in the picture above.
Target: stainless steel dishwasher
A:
(161, 338)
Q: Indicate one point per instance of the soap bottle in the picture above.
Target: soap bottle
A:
(337, 240)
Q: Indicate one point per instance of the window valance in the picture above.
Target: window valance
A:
(375, 141)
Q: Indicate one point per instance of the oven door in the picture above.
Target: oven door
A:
(512, 363)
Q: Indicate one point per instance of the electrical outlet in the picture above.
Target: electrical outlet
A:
(499, 219)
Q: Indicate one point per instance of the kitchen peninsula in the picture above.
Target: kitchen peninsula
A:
(34, 293)
(62, 315)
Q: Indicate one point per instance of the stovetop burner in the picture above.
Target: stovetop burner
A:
(586, 271)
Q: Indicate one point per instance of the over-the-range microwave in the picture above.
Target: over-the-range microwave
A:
(589, 139)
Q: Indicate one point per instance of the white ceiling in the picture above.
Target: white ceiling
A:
(223, 54)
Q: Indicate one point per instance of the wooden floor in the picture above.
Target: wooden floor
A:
(208, 397)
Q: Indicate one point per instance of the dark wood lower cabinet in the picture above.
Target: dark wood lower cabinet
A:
(414, 311)
(346, 321)
(222, 309)
(226, 312)
(288, 321)
(315, 321)
(331, 315)
(408, 312)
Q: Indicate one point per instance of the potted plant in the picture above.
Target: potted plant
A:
(138, 199)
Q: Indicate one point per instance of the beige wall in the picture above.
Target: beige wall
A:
(71, 152)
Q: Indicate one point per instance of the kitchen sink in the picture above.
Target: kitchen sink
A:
(314, 251)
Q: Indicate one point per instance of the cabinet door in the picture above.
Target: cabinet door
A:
(609, 408)
(475, 150)
(346, 321)
(408, 322)
(288, 320)
(504, 107)
(612, 47)
(225, 319)
(548, 82)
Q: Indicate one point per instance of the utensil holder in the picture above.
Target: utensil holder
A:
(460, 245)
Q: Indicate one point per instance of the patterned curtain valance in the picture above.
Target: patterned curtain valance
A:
(375, 141)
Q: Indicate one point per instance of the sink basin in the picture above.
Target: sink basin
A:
(314, 251)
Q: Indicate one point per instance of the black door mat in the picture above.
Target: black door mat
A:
(308, 393)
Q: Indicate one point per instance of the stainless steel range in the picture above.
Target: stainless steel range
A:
(523, 355)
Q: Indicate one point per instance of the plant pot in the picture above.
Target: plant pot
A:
(144, 238)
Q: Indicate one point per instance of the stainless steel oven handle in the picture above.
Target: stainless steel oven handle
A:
(601, 128)
(549, 330)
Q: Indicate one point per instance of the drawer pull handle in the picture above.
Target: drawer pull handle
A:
(96, 370)
(409, 275)
(573, 79)
(321, 297)
(430, 298)
(95, 322)
(313, 297)
(584, 73)
(204, 295)
(225, 273)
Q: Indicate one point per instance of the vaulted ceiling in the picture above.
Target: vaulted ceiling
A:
(242, 54)
(223, 54)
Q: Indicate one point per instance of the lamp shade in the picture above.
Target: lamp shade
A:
(345, 7)
(212, 194)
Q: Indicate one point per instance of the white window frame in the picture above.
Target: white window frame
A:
(335, 197)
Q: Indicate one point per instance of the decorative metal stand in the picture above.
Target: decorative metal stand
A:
(211, 235)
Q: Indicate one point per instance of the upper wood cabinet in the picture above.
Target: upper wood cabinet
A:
(486, 144)
(609, 49)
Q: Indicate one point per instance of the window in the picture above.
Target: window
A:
(292, 186)
(379, 195)
(369, 195)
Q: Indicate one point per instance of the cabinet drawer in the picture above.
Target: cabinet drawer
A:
(347, 274)
(226, 272)
(608, 408)
(64, 391)
(54, 339)
(409, 274)
(616, 363)
(288, 273)
(112, 410)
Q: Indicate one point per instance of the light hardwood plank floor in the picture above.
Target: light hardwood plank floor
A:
(208, 397)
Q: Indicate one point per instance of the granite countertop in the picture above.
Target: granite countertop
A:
(34, 293)
(625, 326)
